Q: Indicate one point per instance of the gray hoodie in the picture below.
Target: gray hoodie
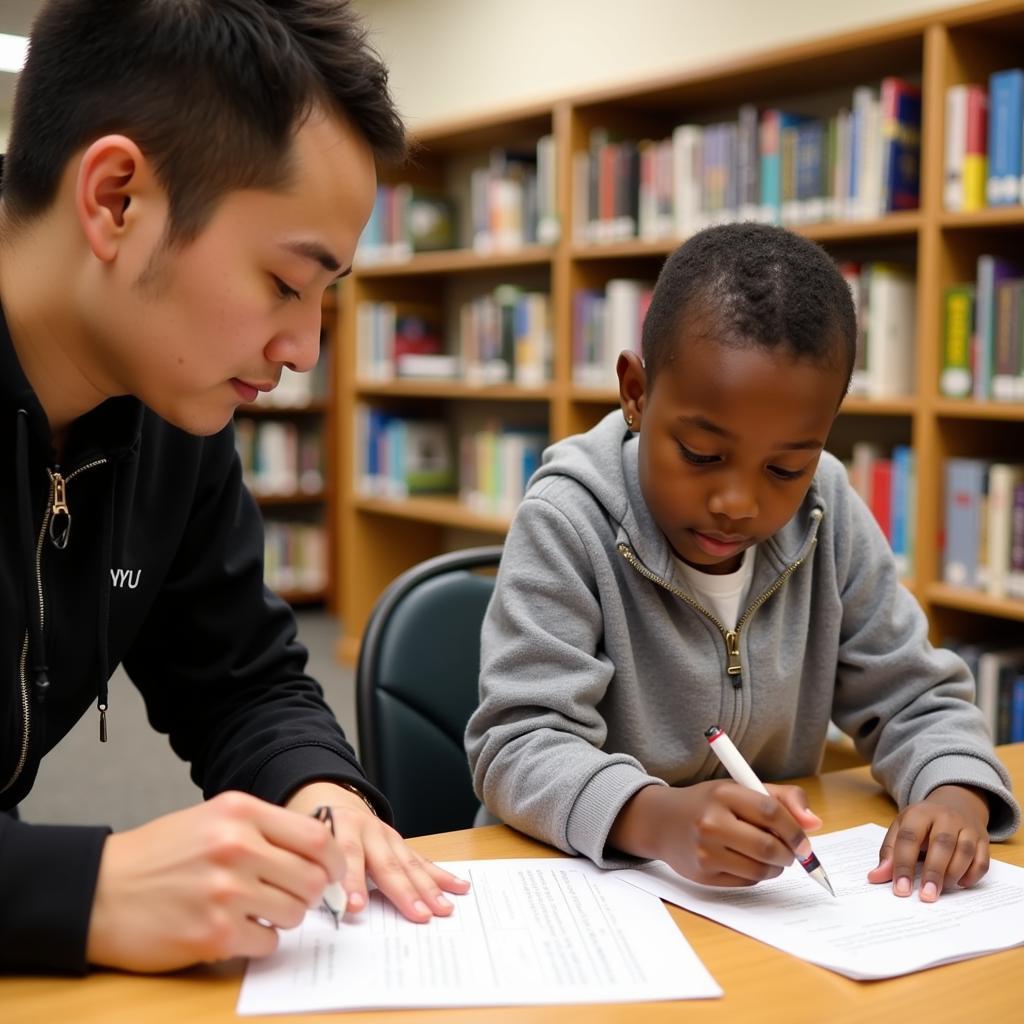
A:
(600, 671)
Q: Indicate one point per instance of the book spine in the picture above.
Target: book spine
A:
(964, 487)
(975, 173)
(955, 147)
(1006, 89)
(955, 380)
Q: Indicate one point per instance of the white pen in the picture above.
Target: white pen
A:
(735, 764)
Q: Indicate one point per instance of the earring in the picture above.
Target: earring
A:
(629, 422)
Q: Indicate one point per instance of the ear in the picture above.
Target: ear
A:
(632, 388)
(112, 175)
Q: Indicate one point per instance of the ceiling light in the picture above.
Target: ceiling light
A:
(12, 52)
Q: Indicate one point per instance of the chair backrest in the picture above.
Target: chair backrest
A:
(417, 684)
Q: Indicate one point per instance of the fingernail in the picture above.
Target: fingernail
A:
(930, 891)
(355, 901)
(902, 886)
(443, 901)
(420, 907)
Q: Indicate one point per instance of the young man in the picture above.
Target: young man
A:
(184, 179)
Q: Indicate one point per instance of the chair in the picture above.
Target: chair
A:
(417, 685)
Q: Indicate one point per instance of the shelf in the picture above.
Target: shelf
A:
(457, 260)
(301, 597)
(451, 389)
(316, 407)
(891, 225)
(993, 217)
(945, 596)
(856, 406)
(594, 396)
(443, 510)
(966, 409)
(299, 498)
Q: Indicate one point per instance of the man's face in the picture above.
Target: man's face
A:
(730, 440)
(205, 326)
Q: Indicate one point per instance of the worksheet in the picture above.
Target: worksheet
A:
(556, 930)
(865, 931)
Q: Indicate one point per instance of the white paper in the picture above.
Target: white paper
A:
(866, 931)
(556, 930)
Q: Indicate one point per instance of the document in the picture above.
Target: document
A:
(865, 932)
(529, 931)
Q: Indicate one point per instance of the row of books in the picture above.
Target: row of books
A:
(772, 165)
(885, 298)
(983, 334)
(984, 142)
(507, 203)
(605, 323)
(398, 457)
(887, 484)
(504, 336)
(279, 457)
(983, 542)
(294, 557)
(999, 687)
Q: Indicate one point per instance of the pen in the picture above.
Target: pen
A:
(334, 898)
(741, 772)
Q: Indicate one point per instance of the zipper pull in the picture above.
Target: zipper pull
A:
(732, 646)
(103, 722)
(60, 514)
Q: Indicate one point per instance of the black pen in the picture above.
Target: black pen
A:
(334, 898)
(735, 764)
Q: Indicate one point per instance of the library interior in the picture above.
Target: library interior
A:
(561, 152)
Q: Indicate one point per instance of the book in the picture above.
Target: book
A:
(966, 481)
(956, 375)
(901, 143)
(885, 366)
(992, 270)
(975, 162)
(955, 147)
(1006, 111)
(1003, 479)
(1015, 579)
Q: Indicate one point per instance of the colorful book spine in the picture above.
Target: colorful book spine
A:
(966, 480)
(901, 144)
(975, 164)
(956, 378)
(1006, 111)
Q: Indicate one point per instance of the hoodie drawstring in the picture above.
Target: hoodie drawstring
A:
(104, 615)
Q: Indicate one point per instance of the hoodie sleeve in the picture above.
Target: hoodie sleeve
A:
(47, 879)
(534, 742)
(218, 662)
(908, 706)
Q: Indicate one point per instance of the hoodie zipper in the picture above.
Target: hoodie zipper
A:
(734, 665)
(56, 504)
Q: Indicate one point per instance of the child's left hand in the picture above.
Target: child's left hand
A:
(951, 827)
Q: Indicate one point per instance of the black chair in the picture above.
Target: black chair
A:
(417, 685)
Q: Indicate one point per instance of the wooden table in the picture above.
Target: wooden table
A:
(760, 983)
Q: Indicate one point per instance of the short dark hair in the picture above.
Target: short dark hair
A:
(760, 285)
(212, 91)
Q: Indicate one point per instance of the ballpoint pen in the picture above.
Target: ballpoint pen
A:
(334, 898)
(741, 772)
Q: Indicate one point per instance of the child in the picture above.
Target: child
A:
(706, 562)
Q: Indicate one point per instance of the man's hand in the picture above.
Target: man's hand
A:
(374, 849)
(207, 883)
(950, 826)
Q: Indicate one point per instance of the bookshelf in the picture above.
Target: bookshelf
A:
(380, 537)
(298, 503)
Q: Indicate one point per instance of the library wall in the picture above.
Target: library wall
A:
(450, 58)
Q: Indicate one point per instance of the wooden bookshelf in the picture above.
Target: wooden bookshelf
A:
(379, 538)
(310, 507)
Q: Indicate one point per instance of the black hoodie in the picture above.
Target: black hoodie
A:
(154, 559)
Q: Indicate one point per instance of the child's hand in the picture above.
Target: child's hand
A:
(716, 833)
(951, 825)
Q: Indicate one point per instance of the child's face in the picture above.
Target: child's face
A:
(729, 440)
(193, 331)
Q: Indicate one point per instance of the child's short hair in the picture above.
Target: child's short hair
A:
(761, 285)
(211, 91)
